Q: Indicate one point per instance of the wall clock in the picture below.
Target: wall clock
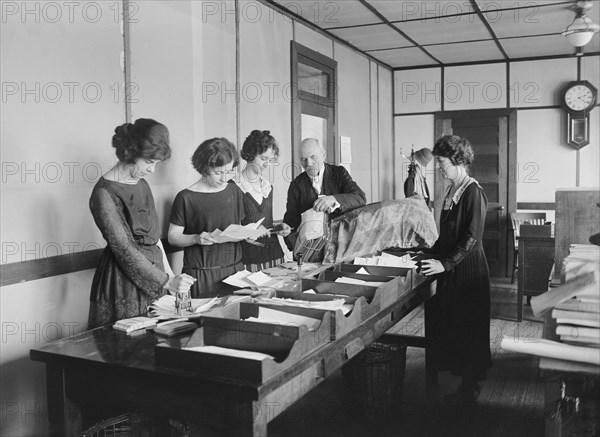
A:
(578, 98)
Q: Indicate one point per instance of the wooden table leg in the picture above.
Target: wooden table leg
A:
(431, 359)
(245, 418)
(65, 417)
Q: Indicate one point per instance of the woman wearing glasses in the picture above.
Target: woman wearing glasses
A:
(213, 202)
(462, 332)
(260, 150)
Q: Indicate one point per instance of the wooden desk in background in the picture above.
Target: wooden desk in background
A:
(104, 368)
(536, 259)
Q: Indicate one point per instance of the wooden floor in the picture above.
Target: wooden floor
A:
(510, 404)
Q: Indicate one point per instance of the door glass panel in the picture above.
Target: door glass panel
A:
(312, 80)
(314, 127)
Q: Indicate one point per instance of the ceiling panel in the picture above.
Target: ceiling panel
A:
(467, 28)
(451, 31)
(380, 36)
(466, 52)
(327, 13)
(408, 57)
(402, 10)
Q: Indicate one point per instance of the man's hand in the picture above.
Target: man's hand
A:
(325, 204)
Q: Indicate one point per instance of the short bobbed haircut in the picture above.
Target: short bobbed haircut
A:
(258, 142)
(458, 150)
(214, 153)
(146, 139)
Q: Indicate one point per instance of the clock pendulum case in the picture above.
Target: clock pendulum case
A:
(578, 99)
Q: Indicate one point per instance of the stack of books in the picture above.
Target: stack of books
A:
(578, 318)
(134, 324)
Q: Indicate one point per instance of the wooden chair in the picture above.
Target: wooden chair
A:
(516, 220)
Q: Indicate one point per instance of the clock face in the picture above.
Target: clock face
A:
(579, 97)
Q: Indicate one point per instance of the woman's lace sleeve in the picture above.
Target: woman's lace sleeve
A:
(115, 230)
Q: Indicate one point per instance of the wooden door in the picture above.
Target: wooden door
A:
(492, 135)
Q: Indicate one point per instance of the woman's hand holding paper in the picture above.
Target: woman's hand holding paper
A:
(204, 239)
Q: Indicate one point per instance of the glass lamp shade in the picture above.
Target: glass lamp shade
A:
(581, 31)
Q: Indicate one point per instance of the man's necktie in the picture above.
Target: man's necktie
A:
(316, 185)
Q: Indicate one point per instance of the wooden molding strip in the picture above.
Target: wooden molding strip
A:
(15, 273)
(30, 270)
(536, 205)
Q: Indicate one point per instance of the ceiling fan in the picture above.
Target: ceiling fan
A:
(582, 29)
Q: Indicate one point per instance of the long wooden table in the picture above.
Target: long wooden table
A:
(104, 368)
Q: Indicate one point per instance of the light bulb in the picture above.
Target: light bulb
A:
(581, 31)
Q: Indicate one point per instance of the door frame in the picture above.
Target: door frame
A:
(441, 127)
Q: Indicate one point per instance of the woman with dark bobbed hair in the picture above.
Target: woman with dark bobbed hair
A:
(213, 202)
(462, 330)
(133, 269)
(260, 150)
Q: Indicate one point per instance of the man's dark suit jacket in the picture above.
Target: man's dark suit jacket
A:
(336, 182)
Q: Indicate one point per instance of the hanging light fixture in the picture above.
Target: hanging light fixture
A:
(582, 29)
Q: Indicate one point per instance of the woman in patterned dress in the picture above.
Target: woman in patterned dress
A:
(133, 269)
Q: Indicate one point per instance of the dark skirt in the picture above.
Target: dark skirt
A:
(209, 280)
(114, 296)
(462, 328)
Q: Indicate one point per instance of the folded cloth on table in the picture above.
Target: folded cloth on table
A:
(404, 224)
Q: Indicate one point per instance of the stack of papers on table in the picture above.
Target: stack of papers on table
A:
(134, 324)
(234, 233)
(164, 307)
(387, 260)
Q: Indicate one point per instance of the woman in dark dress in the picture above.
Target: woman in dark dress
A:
(260, 150)
(133, 270)
(462, 330)
(213, 202)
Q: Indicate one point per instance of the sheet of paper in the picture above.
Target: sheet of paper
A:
(207, 305)
(345, 280)
(234, 233)
(268, 315)
(258, 278)
(238, 279)
(346, 150)
(229, 352)
(396, 261)
(311, 226)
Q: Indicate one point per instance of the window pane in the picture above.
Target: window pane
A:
(314, 127)
(312, 80)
